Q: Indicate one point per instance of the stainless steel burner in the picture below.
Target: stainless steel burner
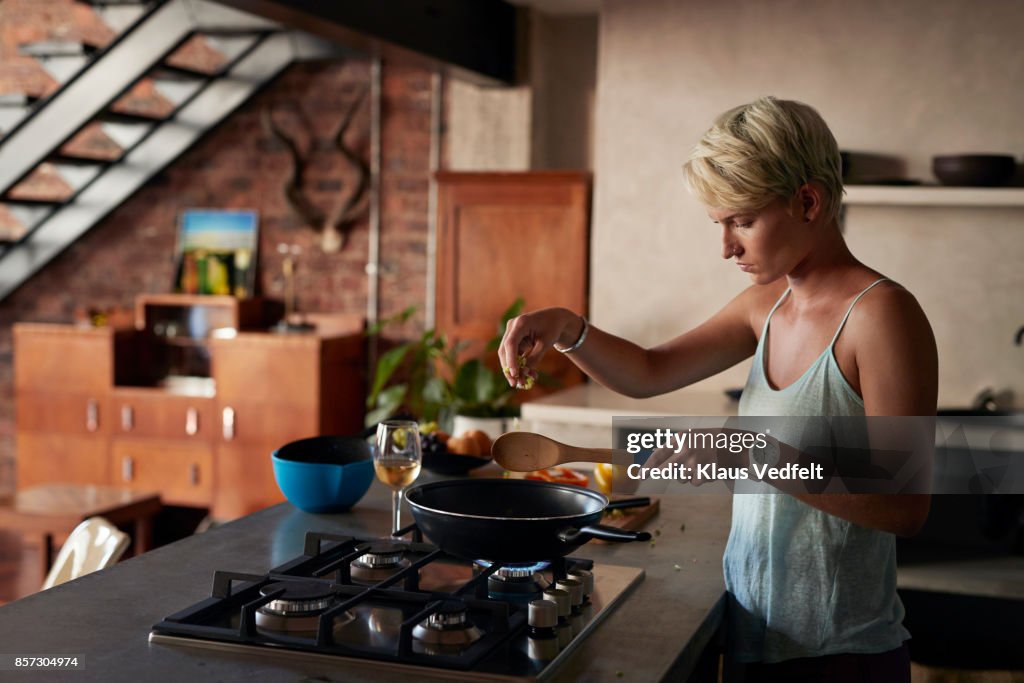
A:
(447, 630)
(517, 582)
(298, 609)
(381, 561)
(298, 598)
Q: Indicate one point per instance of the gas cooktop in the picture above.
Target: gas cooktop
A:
(405, 605)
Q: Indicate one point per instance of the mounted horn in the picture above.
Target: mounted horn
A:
(335, 225)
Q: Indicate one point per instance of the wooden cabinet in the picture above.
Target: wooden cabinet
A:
(272, 390)
(61, 380)
(507, 235)
(183, 473)
(159, 414)
(79, 422)
(163, 442)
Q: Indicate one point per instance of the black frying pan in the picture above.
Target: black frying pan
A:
(512, 520)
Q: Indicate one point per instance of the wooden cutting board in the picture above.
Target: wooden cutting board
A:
(631, 518)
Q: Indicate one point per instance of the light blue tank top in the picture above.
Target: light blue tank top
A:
(802, 582)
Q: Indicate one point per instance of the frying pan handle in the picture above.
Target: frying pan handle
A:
(605, 533)
(628, 503)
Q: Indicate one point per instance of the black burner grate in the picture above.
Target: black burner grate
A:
(229, 615)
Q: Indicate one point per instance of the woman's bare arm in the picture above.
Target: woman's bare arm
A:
(627, 368)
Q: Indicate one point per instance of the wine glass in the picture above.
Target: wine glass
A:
(397, 460)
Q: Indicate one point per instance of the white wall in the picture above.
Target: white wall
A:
(910, 79)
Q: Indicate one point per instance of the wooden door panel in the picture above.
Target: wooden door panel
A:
(267, 369)
(46, 458)
(158, 414)
(62, 358)
(265, 424)
(507, 235)
(73, 414)
(182, 473)
(509, 252)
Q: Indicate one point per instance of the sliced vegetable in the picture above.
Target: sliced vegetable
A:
(521, 362)
(560, 475)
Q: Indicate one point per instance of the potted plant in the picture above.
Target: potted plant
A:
(426, 377)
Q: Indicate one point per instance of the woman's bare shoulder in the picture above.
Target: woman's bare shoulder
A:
(890, 311)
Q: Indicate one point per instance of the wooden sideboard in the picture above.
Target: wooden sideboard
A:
(83, 417)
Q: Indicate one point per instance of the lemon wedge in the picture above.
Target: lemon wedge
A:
(604, 475)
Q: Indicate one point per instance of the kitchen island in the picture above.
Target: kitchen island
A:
(657, 633)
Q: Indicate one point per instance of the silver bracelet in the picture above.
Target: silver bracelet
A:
(579, 342)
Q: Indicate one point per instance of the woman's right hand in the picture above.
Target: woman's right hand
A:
(529, 336)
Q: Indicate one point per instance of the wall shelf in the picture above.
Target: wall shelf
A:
(933, 195)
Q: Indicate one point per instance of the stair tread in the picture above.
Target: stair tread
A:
(180, 72)
(57, 48)
(79, 160)
(92, 143)
(11, 229)
(17, 99)
(198, 56)
(44, 183)
(143, 101)
(32, 201)
(111, 116)
(24, 74)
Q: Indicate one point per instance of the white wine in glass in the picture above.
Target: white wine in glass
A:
(396, 460)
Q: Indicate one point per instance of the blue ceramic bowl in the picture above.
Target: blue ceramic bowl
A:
(324, 473)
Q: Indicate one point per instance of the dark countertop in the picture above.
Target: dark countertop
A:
(105, 617)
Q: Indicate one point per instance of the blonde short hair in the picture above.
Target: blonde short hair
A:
(762, 151)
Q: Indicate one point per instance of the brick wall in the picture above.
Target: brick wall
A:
(239, 165)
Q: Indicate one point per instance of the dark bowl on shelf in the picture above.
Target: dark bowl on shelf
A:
(974, 170)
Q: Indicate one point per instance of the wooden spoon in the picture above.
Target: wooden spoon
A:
(526, 452)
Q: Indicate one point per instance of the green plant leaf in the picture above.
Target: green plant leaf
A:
(397, 318)
(388, 403)
(436, 391)
(386, 366)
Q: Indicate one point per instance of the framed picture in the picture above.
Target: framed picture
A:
(216, 252)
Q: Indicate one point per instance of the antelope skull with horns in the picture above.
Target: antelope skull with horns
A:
(335, 224)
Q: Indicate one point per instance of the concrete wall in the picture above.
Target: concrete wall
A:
(909, 79)
(546, 123)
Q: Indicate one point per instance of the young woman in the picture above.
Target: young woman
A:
(811, 578)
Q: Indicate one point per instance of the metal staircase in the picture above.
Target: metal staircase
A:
(122, 113)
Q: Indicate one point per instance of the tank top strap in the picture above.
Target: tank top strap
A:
(850, 309)
(767, 320)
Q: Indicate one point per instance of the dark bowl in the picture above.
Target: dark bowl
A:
(445, 462)
(974, 170)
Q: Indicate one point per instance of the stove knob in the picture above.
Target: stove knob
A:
(575, 590)
(560, 598)
(543, 614)
(585, 577)
(542, 649)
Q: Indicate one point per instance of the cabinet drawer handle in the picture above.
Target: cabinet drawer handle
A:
(127, 468)
(229, 424)
(191, 421)
(127, 418)
(193, 474)
(92, 415)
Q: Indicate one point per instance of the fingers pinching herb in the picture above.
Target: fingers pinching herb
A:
(528, 383)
